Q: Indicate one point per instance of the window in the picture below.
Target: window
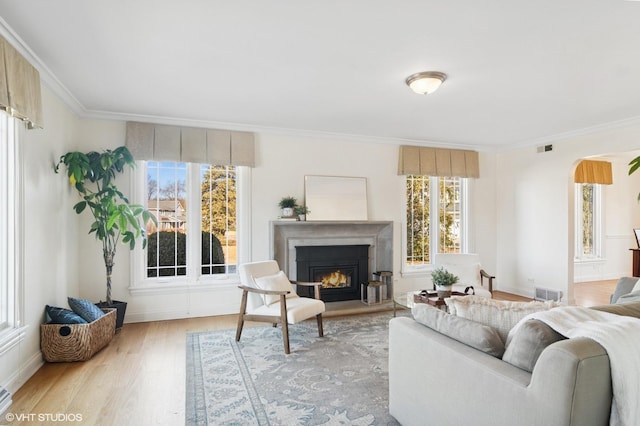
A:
(430, 233)
(588, 221)
(197, 210)
(10, 280)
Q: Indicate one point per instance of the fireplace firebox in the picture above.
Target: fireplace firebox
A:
(340, 268)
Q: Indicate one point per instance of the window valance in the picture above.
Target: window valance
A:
(148, 141)
(19, 86)
(594, 171)
(416, 160)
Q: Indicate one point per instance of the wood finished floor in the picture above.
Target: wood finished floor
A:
(139, 378)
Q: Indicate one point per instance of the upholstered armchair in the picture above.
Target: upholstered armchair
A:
(469, 271)
(269, 296)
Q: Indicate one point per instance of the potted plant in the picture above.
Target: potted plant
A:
(287, 205)
(443, 280)
(301, 211)
(115, 219)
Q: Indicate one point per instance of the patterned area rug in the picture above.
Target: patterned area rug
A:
(340, 379)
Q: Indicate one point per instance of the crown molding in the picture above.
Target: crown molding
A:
(46, 75)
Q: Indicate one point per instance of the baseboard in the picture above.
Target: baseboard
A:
(132, 317)
(28, 369)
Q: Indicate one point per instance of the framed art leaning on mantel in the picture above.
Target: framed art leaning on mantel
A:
(335, 198)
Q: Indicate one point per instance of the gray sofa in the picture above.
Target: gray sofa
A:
(437, 380)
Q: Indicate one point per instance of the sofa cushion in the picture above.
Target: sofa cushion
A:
(629, 309)
(276, 282)
(525, 346)
(476, 335)
(499, 314)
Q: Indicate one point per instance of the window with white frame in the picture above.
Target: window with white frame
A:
(426, 232)
(198, 212)
(588, 221)
(9, 227)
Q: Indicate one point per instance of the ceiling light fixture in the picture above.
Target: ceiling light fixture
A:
(426, 82)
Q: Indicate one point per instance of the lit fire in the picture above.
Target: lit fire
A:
(335, 279)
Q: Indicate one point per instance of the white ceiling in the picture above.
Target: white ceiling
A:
(519, 72)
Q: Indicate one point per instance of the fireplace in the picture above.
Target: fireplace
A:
(340, 268)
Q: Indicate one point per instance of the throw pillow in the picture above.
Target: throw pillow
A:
(277, 282)
(476, 335)
(63, 316)
(624, 286)
(499, 314)
(85, 309)
(527, 343)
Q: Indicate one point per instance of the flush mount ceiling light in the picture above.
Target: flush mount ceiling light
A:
(425, 82)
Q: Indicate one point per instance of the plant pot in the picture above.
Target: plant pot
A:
(121, 308)
(443, 291)
(287, 212)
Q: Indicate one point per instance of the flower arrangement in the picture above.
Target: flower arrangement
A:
(441, 277)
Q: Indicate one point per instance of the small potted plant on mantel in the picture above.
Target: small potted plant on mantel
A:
(443, 280)
(287, 204)
(115, 219)
(302, 212)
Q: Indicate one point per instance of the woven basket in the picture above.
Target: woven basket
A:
(77, 342)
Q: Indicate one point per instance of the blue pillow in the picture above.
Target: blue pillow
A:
(63, 316)
(85, 309)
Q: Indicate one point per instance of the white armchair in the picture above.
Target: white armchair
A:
(467, 268)
(268, 296)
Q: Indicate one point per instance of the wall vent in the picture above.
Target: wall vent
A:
(547, 294)
(544, 148)
(5, 400)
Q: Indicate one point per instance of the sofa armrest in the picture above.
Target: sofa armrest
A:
(432, 376)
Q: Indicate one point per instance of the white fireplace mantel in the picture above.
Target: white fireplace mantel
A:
(285, 236)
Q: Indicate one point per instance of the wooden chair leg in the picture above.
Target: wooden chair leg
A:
(285, 324)
(243, 310)
(240, 325)
(320, 330)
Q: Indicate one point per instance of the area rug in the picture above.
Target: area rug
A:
(338, 379)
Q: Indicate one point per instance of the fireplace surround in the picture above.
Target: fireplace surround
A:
(285, 236)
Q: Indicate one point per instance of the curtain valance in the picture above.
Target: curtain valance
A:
(416, 160)
(594, 171)
(148, 141)
(19, 86)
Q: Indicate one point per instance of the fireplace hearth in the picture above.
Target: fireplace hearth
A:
(341, 269)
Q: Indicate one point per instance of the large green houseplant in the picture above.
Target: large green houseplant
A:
(115, 218)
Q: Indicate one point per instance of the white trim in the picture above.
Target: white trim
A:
(434, 240)
(11, 226)
(193, 281)
(11, 338)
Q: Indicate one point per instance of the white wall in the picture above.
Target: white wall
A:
(535, 210)
(49, 239)
(282, 161)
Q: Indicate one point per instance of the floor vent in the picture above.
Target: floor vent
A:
(547, 294)
(5, 400)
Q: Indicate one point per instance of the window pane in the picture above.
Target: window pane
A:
(449, 215)
(166, 200)
(587, 220)
(417, 220)
(218, 203)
